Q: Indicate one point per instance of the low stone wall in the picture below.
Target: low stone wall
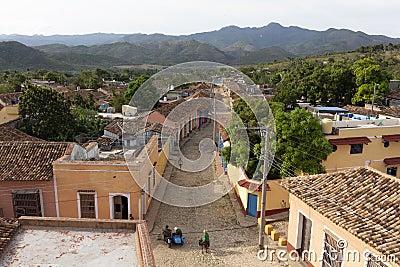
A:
(145, 250)
(78, 223)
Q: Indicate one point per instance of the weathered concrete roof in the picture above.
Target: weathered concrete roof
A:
(70, 247)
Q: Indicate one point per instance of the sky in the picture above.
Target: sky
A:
(177, 17)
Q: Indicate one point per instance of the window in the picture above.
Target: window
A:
(332, 253)
(334, 148)
(26, 202)
(392, 171)
(87, 204)
(304, 238)
(373, 261)
(356, 148)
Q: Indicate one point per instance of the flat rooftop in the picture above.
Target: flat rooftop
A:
(54, 246)
(331, 110)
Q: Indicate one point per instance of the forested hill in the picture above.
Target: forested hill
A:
(230, 45)
(293, 39)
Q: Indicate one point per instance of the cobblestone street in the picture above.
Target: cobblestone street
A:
(231, 243)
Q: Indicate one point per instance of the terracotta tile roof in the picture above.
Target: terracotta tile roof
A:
(9, 133)
(105, 141)
(8, 228)
(201, 93)
(186, 106)
(7, 99)
(202, 86)
(363, 201)
(349, 141)
(166, 109)
(159, 128)
(30, 161)
(392, 161)
(115, 127)
(383, 110)
(252, 186)
(391, 138)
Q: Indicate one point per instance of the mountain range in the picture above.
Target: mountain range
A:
(230, 45)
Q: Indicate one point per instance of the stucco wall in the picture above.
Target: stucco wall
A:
(163, 157)
(319, 223)
(373, 154)
(107, 179)
(274, 196)
(47, 196)
(104, 179)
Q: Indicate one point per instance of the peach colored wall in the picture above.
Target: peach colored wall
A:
(319, 223)
(47, 196)
(105, 177)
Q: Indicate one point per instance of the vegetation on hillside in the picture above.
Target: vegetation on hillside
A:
(338, 79)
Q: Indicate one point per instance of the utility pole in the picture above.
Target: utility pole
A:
(265, 133)
(212, 94)
(373, 98)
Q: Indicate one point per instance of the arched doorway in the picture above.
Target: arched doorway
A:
(120, 207)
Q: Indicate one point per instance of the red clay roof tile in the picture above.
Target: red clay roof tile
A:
(363, 201)
(30, 161)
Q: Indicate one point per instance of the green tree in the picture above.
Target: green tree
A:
(88, 79)
(46, 114)
(85, 103)
(368, 73)
(300, 143)
(54, 76)
(15, 81)
(87, 122)
(117, 101)
(134, 86)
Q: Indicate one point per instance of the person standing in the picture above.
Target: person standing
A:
(206, 240)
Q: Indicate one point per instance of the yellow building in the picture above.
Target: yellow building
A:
(363, 141)
(248, 193)
(347, 218)
(109, 188)
(9, 107)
